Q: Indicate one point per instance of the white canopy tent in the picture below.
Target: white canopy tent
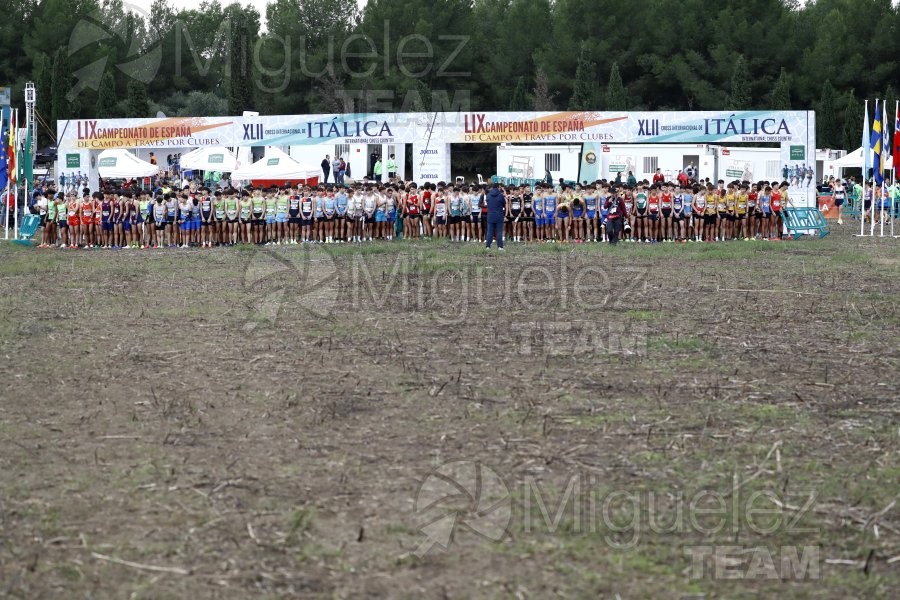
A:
(118, 163)
(213, 158)
(856, 159)
(276, 166)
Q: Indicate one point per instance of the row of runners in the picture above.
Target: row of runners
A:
(662, 212)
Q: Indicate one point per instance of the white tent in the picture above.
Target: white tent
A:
(118, 163)
(214, 158)
(856, 159)
(275, 166)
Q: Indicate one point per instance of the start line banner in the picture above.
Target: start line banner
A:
(791, 129)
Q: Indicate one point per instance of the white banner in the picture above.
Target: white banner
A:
(784, 127)
(431, 163)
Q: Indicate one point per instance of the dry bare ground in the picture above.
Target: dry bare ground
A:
(422, 420)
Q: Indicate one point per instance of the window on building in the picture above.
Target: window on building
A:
(552, 162)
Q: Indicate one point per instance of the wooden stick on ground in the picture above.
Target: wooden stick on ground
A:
(135, 565)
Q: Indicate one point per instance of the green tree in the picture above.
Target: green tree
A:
(890, 96)
(43, 84)
(739, 97)
(456, 54)
(781, 93)
(106, 97)
(828, 130)
(136, 102)
(615, 90)
(519, 100)
(204, 104)
(491, 21)
(15, 23)
(450, 42)
(584, 96)
(240, 72)
(852, 115)
(541, 98)
(60, 86)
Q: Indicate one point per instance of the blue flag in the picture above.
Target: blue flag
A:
(875, 143)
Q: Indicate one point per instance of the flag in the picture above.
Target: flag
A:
(4, 131)
(875, 144)
(26, 159)
(11, 150)
(865, 144)
(896, 151)
(885, 141)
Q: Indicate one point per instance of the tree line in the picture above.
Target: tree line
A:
(96, 58)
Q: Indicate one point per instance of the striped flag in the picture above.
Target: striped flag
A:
(875, 143)
(4, 131)
(11, 145)
(26, 159)
(896, 137)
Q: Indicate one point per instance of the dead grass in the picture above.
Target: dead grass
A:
(158, 446)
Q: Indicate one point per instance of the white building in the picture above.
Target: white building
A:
(358, 156)
(530, 161)
(710, 160)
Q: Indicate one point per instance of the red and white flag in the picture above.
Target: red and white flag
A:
(896, 152)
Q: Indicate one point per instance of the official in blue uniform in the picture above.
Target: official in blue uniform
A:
(496, 205)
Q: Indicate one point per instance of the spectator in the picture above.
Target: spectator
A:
(336, 169)
(40, 206)
(10, 209)
(152, 178)
(326, 168)
(658, 177)
(392, 168)
(377, 169)
(632, 180)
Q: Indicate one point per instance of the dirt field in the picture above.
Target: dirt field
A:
(420, 420)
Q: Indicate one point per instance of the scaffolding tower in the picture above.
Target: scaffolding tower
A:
(30, 119)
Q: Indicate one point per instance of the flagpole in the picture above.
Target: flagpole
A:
(875, 172)
(894, 157)
(6, 209)
(865, 173)
(883, 154)
(4, 142)
(875, 168)
(15, 143)
(872, 212)
(25, 197)
(8, 186)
